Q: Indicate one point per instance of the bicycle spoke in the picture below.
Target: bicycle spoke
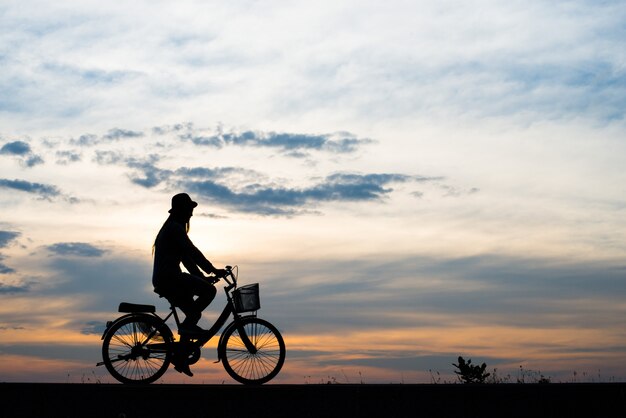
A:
(128, 354)
(267, 359)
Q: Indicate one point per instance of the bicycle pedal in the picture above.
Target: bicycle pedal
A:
(184, 369)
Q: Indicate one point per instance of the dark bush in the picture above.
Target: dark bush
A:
(471, 373)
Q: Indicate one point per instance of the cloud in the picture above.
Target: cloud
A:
(44, 191)
(113, 135)
(32, 161)
(272, 200)
(108, 157)
(291, 143)
(85, 76)
(166, 129)
(6, 237)
(56, 351)
(204, 173)
(452, 191)
(116, 134)
(85, 140)
(15, 148)
(403, 62)
(94, 327)
(248, 191)
(9, 289)
(147, 174)
(407, 361)
(444, 296)
(4, 269)
(93, 285)
(23, 151)
(67, 157)
(102, 282)
(80, 249)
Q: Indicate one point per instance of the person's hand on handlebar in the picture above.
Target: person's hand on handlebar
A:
(220, 273)
(217, 274)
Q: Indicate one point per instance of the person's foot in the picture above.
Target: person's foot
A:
(183, 368)
(190, 329)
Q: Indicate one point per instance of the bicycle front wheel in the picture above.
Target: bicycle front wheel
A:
(253, 368)
(137, 349)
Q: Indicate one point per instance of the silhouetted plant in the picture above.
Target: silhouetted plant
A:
(470, 373)
(544, 379)
(497, 378)
(434, 379)
(532, 376)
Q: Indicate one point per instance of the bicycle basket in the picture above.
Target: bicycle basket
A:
(246, 298)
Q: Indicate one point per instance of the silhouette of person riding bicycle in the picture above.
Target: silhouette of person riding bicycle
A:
(139, 346)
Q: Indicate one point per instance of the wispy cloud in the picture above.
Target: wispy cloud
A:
(214, 185)
(108, 157)
(146, 173)
(9, 289)
(85, 140)
(414, 59)
(431, 292)
(113, 135)
(342, 142)
(44, 191)
(83, 75)
(116, 134)
(67, 157)
(271, 200)
(6, 238)
(4, 269)
(176, 128)
(79, 249)
(250, 191)
(104, 281)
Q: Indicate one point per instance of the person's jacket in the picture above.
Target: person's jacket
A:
(172, 247)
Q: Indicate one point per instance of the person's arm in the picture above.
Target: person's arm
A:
(191, 267)
(192, 257)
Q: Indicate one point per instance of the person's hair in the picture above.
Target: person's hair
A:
(170, 219)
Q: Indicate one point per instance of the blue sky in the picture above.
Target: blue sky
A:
(408, 181)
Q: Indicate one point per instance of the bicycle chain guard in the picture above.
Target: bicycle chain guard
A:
(193, 356)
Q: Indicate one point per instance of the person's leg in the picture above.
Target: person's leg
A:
(186, 304)
(184, 301)
(193, 285)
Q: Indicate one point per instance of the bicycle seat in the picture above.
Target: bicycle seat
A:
(135, 307)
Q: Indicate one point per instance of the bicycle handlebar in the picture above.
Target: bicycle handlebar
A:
(230, 277)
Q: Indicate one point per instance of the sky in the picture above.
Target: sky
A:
(408, 181)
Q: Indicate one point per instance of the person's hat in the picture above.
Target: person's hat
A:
(182, 202)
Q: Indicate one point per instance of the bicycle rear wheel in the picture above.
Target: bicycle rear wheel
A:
(137, 349)
(253, 368)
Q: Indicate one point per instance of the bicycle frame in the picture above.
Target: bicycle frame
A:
(229, 309)
(202, 339)
(219, 323)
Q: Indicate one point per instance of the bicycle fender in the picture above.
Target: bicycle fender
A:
(109, 324)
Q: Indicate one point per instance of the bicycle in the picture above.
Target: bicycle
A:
(139, 346)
